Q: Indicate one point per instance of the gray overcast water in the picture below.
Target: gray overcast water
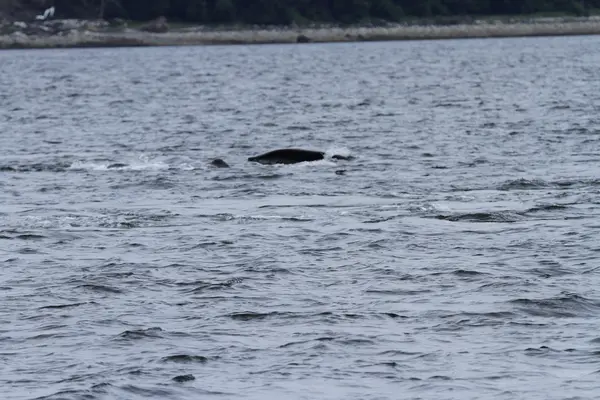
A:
(456, 258)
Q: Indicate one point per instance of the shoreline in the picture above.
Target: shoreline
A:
(199, 35)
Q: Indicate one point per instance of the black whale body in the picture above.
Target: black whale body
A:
(219, 163)
(292, 156)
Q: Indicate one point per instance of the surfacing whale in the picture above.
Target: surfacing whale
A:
(219, 163)
(292, 156)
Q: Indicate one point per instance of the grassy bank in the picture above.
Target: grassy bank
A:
(203, 36)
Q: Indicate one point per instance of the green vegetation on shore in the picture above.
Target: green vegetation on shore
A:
(301, 12)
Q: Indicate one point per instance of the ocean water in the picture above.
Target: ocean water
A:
(456, 257)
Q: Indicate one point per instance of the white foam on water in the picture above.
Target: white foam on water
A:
(142, 163)
(338, 151)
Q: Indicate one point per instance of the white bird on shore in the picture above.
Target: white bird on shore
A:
(49, 13)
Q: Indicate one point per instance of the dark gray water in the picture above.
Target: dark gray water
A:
(457, 257)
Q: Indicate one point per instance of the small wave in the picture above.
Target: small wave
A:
(523, 184)
(53, 188)
(560, 107)
(185, 358)
(300, 342)
(276, 217)
(211, 244)
(577, 182)
(126, 220)
(463, 320)
(397, 292)
(160, 182)
(100, 288)
(341, 316)
(378, 220)
(448, 105)
(441, 377)
(547, 207)
(319, 250)
(120, 102)
(44, 336)
(13, 234)
(532, 351)
(36, 167)
(498, 216)
(221, 217)
(393, 315)
(249, 218)
(265, 177)
(364, 103)
(153, 392)
(130, 220)
(30, 236)
(66, 395)
(400, 353)
(536, 184)
(507, 315)
(467, 273)
(356, 342)
(318, 342)
(550, 269)
(184, 378)
(462, 273)
(475, 163)
(384, 114)
(204, 286)
(299, 128)
(255, 316)
(60, 306)
(28, 250)
(137, 334)
(567, 306)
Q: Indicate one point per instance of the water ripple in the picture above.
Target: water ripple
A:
(454, 256)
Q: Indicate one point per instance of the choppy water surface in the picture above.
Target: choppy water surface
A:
(456, 258)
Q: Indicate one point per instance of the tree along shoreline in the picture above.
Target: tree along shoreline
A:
(99, 33)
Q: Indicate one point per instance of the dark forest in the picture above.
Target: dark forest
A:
(286, 12)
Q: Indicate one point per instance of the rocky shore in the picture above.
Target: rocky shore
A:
(116, 33)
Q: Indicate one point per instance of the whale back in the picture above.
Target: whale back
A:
(288, 156)
(219, 163)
